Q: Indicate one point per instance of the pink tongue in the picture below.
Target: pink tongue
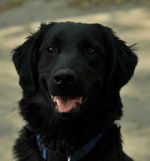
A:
(66, 105)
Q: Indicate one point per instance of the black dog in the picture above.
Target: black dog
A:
(71, 75)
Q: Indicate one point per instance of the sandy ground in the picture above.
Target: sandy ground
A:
(131, 22)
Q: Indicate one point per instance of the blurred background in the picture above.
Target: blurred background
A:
(130, 19)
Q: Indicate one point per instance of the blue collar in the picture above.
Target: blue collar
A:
(77, 155)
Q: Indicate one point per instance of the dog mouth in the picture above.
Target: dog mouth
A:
(64, 104)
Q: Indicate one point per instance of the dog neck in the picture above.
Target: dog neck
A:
(77, 155)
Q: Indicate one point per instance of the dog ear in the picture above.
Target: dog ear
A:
(25, 60)
(122, 61)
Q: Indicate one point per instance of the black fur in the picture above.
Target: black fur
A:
(100, 64)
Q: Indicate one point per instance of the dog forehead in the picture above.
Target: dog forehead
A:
(71, 26)
(69, 30)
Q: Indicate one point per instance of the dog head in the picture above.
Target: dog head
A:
(71, 63)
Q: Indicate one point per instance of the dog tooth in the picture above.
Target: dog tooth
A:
(52, 97)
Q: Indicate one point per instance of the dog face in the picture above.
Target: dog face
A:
(70, 64)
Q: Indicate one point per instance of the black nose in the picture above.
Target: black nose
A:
(64, 77)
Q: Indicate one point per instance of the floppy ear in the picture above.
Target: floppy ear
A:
(25, 60)
(121, 60)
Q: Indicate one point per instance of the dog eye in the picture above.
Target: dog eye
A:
(91, 50)
(52, 49)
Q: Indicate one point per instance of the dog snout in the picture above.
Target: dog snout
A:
(64, 77)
